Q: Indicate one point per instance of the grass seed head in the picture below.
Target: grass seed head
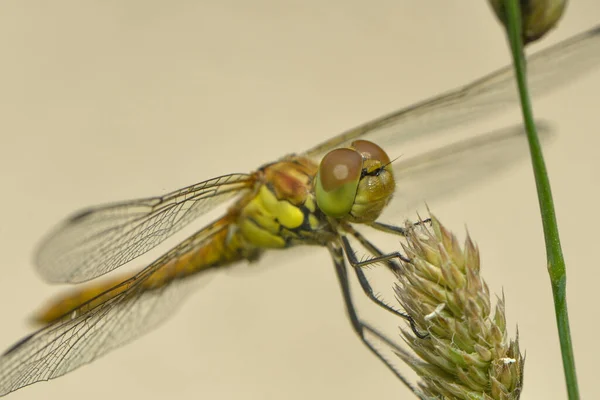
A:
(467, 354)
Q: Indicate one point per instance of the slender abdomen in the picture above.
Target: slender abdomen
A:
(219, 249)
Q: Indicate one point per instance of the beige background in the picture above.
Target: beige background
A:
(102, 101)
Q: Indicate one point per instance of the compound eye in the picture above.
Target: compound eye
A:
(371, 151)
(337, 181)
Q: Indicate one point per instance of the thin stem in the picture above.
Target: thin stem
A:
(556, 262)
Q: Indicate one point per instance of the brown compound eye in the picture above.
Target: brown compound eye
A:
(337, 181)
(370, 150)
(339, 167)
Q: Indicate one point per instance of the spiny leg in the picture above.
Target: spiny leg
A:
(387, 259)
(362, 328)
(364, 282)
(393, 229)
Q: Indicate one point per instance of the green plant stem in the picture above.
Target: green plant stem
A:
(556, 262)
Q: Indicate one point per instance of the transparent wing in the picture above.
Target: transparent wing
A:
(453, 168)
(132, 309)
(547, 70)
(98, 240)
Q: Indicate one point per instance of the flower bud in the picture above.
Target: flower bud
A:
(537, 16)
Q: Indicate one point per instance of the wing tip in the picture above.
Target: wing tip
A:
(18, 344)
(80, 215)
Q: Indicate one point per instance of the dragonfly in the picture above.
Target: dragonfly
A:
(319, 197)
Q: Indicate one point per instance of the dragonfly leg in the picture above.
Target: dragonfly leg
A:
(366, 286)
(393, 229)
(379, 256)
(362, 328)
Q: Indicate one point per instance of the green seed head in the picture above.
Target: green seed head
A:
(468, 354)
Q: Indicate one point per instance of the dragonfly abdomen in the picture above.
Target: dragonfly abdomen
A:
(218, 249)
(66, 303)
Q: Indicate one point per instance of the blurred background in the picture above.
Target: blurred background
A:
(104, 101)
